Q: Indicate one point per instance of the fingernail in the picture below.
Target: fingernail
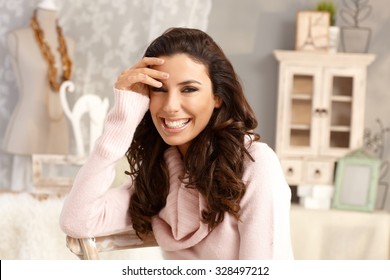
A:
(165, 75)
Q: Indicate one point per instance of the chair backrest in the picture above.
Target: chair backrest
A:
(89, 248)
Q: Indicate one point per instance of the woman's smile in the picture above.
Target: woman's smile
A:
(175, 125)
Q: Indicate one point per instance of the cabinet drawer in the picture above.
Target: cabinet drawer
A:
(319, 172)
(292, 170)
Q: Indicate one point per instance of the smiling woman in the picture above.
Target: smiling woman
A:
(199, 177)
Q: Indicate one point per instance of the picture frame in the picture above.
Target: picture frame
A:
(54, 174)
(312, 31)
(356, 182)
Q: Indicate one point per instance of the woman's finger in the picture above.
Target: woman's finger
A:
(149, 61)
(145, 79)
(160, 75)
(138, 77)
(135, 80)
(142, 73)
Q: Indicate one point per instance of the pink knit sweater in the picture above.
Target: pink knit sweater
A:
(93, 208)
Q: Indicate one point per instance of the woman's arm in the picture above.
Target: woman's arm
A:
(264, 224)
(92, 208)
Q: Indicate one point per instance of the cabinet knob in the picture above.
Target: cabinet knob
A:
(290, 171)
(317, 173)
(320, 112)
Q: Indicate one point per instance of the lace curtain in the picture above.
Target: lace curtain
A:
(110, 36)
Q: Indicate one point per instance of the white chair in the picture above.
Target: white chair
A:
(90, 248)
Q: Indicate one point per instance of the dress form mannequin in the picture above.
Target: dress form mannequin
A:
(37, 124)
(47, 5)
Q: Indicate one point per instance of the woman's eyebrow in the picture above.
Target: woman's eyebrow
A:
(189, 82)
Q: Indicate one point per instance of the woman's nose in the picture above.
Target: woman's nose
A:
(172, 102)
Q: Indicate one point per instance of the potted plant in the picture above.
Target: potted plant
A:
(334, 31)
(354, 37)
(328, 6)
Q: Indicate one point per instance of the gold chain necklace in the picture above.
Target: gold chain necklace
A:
(48, 55)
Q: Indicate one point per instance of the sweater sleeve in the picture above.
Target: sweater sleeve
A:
(92, 208)
(264, 224)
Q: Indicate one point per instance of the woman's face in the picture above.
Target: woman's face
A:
(182, 107)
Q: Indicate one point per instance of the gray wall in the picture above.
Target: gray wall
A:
(249, 31)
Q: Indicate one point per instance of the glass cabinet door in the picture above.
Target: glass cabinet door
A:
(300, 134)
(338, 111)
(301, 104)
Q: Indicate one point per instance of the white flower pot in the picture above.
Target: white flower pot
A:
(334, 38)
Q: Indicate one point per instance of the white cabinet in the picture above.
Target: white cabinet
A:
(320, 117)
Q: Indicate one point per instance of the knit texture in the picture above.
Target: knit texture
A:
(93, 209)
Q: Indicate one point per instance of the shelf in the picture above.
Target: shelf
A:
(300, 126)
(301, 96)
(340, 128)
(341, 98)
(339, 59)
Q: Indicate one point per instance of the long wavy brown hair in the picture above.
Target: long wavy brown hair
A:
(214, 160)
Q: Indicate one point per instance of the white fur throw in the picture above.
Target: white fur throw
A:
(30, 230)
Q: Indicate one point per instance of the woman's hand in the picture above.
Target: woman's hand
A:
(139, 77)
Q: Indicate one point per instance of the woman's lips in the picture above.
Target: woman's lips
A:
(175, 125)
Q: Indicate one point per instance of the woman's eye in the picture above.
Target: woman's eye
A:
(189, 89)
(156, 89)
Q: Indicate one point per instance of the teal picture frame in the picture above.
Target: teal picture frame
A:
(356, 182)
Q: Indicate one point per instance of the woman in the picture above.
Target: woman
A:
(199, 178)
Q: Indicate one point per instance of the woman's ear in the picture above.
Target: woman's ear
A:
(218, 101)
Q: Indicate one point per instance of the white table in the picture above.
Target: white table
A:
(338, 234)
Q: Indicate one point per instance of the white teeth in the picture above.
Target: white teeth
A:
(176, 124)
